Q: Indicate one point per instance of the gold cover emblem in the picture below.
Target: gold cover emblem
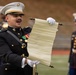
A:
(18, 4)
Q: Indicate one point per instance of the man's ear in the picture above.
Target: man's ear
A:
(6, 18)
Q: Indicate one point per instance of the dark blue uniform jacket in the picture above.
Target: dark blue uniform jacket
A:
(12, 52)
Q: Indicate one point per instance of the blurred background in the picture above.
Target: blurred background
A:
(61, 11)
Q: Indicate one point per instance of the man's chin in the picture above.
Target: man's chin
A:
(18, 26)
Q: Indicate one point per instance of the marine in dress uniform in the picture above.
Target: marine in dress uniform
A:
(72, 56)
(13, 44)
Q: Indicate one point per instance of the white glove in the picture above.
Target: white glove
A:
(51, 20)
(31, 63)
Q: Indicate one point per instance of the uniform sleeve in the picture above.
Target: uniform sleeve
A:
(71, 47)
(27, 30)
(7, 55)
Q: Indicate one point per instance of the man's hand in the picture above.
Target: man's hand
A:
(31, 63)
(51, 20)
